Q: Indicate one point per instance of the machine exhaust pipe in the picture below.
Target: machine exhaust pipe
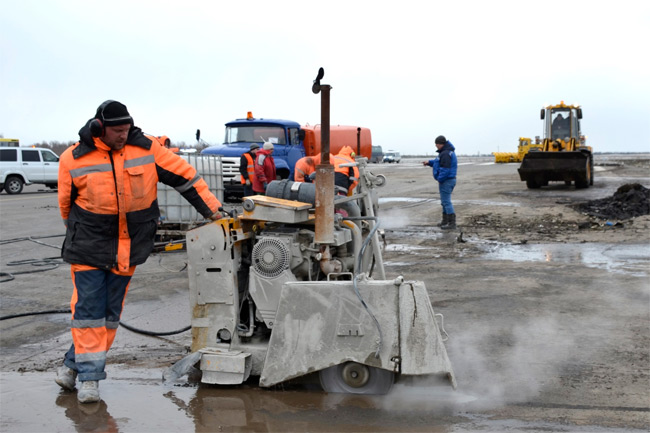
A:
(324, 231)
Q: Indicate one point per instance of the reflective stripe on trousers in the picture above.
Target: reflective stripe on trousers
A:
(97, 302)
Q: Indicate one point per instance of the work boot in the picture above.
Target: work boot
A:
(444, 220)
(451, 222)
(89, 392)
(66, 377)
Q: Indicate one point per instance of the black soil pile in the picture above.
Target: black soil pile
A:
(629, 201)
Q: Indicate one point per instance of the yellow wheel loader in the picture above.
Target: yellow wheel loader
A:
(564, 156)
(525, 145)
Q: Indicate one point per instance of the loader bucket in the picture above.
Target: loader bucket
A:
(539, 168)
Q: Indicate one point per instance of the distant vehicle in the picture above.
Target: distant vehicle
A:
(9, 142)
(392, 156)
(27, 165)
(377, 154)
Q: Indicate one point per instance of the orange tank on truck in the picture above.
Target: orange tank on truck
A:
(291, 142)
(358, 138)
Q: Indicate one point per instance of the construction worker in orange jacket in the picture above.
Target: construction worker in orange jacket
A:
(304, 167)
(346, 176)
(247, 169)
(166, 142)
(108, 202)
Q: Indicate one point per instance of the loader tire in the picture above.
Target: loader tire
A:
(531, 184)
(585, 180)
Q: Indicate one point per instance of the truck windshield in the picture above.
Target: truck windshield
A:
(255, 134)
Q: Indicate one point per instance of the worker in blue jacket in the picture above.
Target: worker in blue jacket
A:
(444, 171)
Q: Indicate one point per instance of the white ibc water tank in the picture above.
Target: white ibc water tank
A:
(174, 209)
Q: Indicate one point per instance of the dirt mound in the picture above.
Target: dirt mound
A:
(629, 201)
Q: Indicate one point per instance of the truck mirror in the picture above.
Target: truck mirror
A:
(541, 114)
(198, 134)
(579, 113)
(301, 134)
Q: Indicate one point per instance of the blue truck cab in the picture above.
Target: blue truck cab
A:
(285, 135)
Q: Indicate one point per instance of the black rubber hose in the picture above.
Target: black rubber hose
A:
(13, 316)
(154, 334)
(129, 327)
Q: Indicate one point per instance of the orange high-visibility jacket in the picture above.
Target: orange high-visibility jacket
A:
(108, 198)
(249, 169)
(166, 142)
(304, 167)
(346, 177)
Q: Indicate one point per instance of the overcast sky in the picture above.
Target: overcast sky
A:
(477, 72)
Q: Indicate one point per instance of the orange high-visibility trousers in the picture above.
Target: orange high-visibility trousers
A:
(97, 302)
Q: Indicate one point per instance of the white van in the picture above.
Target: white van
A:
(392, 156)
(27, 165)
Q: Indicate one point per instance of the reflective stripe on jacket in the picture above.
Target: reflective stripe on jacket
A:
(108, 198)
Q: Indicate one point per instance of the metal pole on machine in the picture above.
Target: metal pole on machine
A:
(324, 231)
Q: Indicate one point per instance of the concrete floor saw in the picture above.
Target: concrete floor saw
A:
(290, 289)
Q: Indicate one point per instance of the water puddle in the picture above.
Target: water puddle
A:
(131, 400)
(633, 259)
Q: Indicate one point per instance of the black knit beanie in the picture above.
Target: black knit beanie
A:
(441, 139)
(113, 114)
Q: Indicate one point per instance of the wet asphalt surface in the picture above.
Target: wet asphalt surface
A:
(551, 337)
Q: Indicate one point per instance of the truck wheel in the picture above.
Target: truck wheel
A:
(355, 378)
(14, 185)
(52, 186)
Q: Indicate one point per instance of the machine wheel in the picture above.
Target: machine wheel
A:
(14, 185)
(531, 184)
(355, 378)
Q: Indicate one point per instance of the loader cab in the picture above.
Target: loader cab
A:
(562, 122)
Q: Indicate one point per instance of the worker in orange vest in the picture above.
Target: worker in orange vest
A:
(305, 166)
(108, 203)
(166, 142)
(346, 176)
(247, 169)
